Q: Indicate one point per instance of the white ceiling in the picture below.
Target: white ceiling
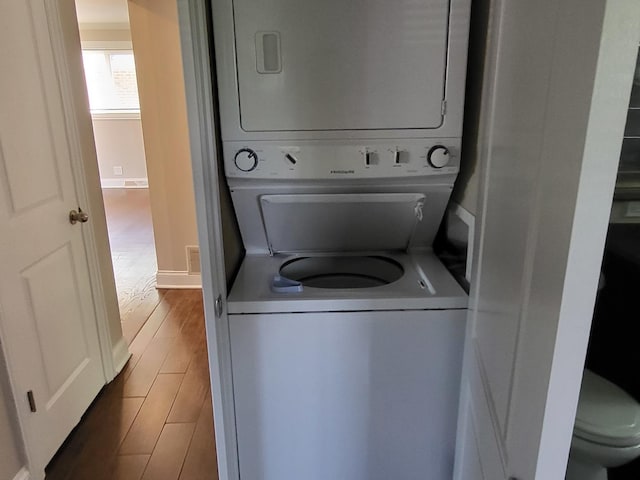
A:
(102, 11)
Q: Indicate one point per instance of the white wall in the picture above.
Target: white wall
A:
(118, 137)
(119, 142)
(95, 35)
(156, 46)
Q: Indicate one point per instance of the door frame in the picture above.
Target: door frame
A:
(551, 360)
(196, 44)
(114, 352)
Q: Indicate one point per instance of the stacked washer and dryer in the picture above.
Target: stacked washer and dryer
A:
(341, 129)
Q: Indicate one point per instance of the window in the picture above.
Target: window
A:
(111, 81)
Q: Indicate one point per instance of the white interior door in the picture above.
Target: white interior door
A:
(557, 84)
(47, 313)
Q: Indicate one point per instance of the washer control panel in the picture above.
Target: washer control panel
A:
(322, 160)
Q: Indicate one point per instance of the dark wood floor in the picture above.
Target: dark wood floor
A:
(154, 421)
(133, 253)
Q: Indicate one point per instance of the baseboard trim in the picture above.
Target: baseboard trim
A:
(121, 356)
(23, 474)
(124, 183)
(177, 279)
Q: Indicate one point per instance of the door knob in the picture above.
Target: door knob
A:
(78, 216)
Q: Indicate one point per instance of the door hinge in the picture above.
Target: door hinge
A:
(32, 401)
(218, 306)
(443, 108)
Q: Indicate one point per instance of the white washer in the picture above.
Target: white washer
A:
(346, 383)
(346, 331)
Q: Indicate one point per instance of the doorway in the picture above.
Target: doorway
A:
(613, 352)
(110, 74)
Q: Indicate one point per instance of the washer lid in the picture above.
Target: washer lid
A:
(341, 222)
(606, 414)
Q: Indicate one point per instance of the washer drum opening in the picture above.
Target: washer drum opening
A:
(342, 272)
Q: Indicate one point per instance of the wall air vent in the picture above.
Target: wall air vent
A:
(193, 260)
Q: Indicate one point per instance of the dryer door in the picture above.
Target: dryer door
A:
(336, 65)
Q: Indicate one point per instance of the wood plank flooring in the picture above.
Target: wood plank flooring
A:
(128, 213)
(154, 421)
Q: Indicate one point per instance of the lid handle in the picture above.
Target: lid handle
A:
(418, 209)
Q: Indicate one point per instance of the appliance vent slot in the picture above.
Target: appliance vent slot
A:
(268, 52)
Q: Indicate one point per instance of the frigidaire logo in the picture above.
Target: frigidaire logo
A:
(343, 172)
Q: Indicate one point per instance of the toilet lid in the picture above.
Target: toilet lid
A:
(606, 414)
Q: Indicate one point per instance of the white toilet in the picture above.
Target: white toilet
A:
(606, 432)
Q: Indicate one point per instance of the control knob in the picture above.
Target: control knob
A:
(246, 159)
(438, 156)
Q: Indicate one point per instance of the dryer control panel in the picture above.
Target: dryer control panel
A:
(321, 160)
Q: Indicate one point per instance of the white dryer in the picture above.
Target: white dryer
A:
(363, 69)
